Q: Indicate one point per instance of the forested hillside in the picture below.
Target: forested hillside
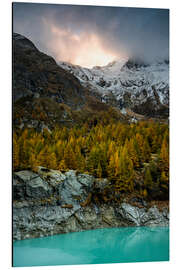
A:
(133, 157)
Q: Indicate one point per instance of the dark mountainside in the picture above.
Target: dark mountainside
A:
(46, 94)
(38, 73)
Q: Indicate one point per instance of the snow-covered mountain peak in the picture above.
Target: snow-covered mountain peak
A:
(127, 83)
(112, 67)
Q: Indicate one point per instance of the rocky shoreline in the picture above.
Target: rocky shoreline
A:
(50, 202)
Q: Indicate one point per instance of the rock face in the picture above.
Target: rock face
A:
(142, 216)
(76, 188)
(29, 185)
(49, 202)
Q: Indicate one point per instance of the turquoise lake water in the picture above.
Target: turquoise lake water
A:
(132, 244)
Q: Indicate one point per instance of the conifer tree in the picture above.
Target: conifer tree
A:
(80, 161)
(148, 179)
(164, 180)
(33, 162)
(52, 161)
(42, 157)
(126, 172)
(99, 171)
(15, 153)
(132, 153)
(164, 156)
(62, 165)
(111, 168)
(69, 157)
(24, 152)
(146, 151)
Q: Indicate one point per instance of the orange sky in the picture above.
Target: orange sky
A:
(84, 49)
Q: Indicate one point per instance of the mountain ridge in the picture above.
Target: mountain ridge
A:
(131, 84)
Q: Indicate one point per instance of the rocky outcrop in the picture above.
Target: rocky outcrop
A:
(75, 188)
(50, 202)
(142, 216)
(28, 185)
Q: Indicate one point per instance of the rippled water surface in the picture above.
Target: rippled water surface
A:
(115, 245)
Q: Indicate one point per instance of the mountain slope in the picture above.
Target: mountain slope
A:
(129, 84)
(45, 94)
(35, 73)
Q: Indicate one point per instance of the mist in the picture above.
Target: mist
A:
(90, 35)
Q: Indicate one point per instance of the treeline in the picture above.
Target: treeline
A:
(134, 157)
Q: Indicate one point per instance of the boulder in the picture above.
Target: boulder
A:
(29, 185)
(143, 216)
(154, 217)
(38, 188)
(52, 177)
(75, 188)
(131, 213)
(25, 175)
(19, 183)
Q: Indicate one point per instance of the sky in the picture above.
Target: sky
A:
(94, 36)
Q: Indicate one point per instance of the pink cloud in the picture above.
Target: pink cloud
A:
(85, 49)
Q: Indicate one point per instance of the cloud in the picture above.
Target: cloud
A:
(85, 49)
(87, 34)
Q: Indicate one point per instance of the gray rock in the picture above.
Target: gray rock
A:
(131, 213)
(28, 185)
(53, 177)
(19, 189)
(38, 188)
(20, 204)
(154, 217)
(75, 188)
(25, 175)
(40, 221)
(20, 180)
(142, 216)
(85, 180)
(36, 212)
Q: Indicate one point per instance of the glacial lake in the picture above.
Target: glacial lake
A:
(129, 244)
